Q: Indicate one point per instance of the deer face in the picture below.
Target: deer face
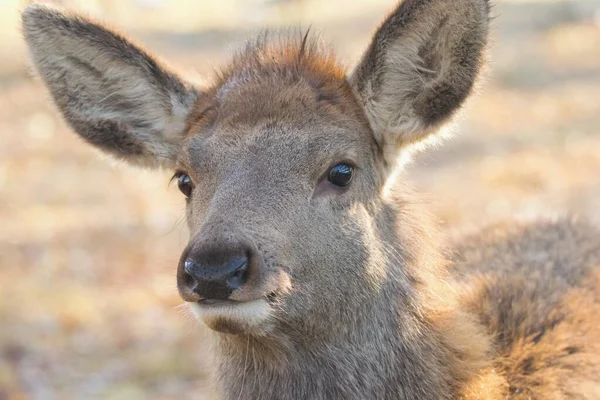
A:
(276, 177)
(282, 161)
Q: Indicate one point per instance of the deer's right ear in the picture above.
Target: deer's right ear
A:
(111, 92)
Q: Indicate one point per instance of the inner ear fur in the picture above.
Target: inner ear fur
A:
(113, 93)
(420, 67)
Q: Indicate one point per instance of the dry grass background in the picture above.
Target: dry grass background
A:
(88, 305)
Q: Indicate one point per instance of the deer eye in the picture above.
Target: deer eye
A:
(340, 175)
(184, 183)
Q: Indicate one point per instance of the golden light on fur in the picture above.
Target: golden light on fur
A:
(348, 291)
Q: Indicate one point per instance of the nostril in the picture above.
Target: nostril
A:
(188, 278)
(240, 274)
(189, 281)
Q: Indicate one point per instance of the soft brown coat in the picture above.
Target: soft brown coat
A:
(350, 293)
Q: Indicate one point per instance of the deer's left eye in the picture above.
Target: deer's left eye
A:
(341, 175)
(184, 183)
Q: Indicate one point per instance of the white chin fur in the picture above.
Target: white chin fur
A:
(248, 314)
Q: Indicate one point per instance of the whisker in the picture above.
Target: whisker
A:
(244, 371)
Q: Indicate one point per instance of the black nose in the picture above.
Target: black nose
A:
(215, 275)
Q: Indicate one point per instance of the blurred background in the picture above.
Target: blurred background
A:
(88, 250)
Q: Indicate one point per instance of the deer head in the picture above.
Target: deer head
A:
(282, 160)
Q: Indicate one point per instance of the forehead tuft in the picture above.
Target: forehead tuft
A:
(277, 77)
(282, 57)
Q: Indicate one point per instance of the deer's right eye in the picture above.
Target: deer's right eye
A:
(184, 183)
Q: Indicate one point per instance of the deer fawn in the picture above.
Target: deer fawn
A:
(319, 278)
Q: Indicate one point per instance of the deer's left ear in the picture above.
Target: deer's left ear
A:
(420, 67)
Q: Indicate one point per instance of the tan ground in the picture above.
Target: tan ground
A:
(88, 306)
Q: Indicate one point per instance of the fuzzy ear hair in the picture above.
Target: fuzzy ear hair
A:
(112, 93)
(420, 67)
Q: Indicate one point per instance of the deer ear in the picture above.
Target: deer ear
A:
(420, 67)
(111, 92)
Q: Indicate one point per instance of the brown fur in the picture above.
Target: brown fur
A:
(535, 288)
(349, 296)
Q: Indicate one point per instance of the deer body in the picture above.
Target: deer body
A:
(319, 281)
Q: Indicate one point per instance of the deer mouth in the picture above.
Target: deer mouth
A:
(232, 316)
(248, 310)
(216, 302)
(270, 298)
